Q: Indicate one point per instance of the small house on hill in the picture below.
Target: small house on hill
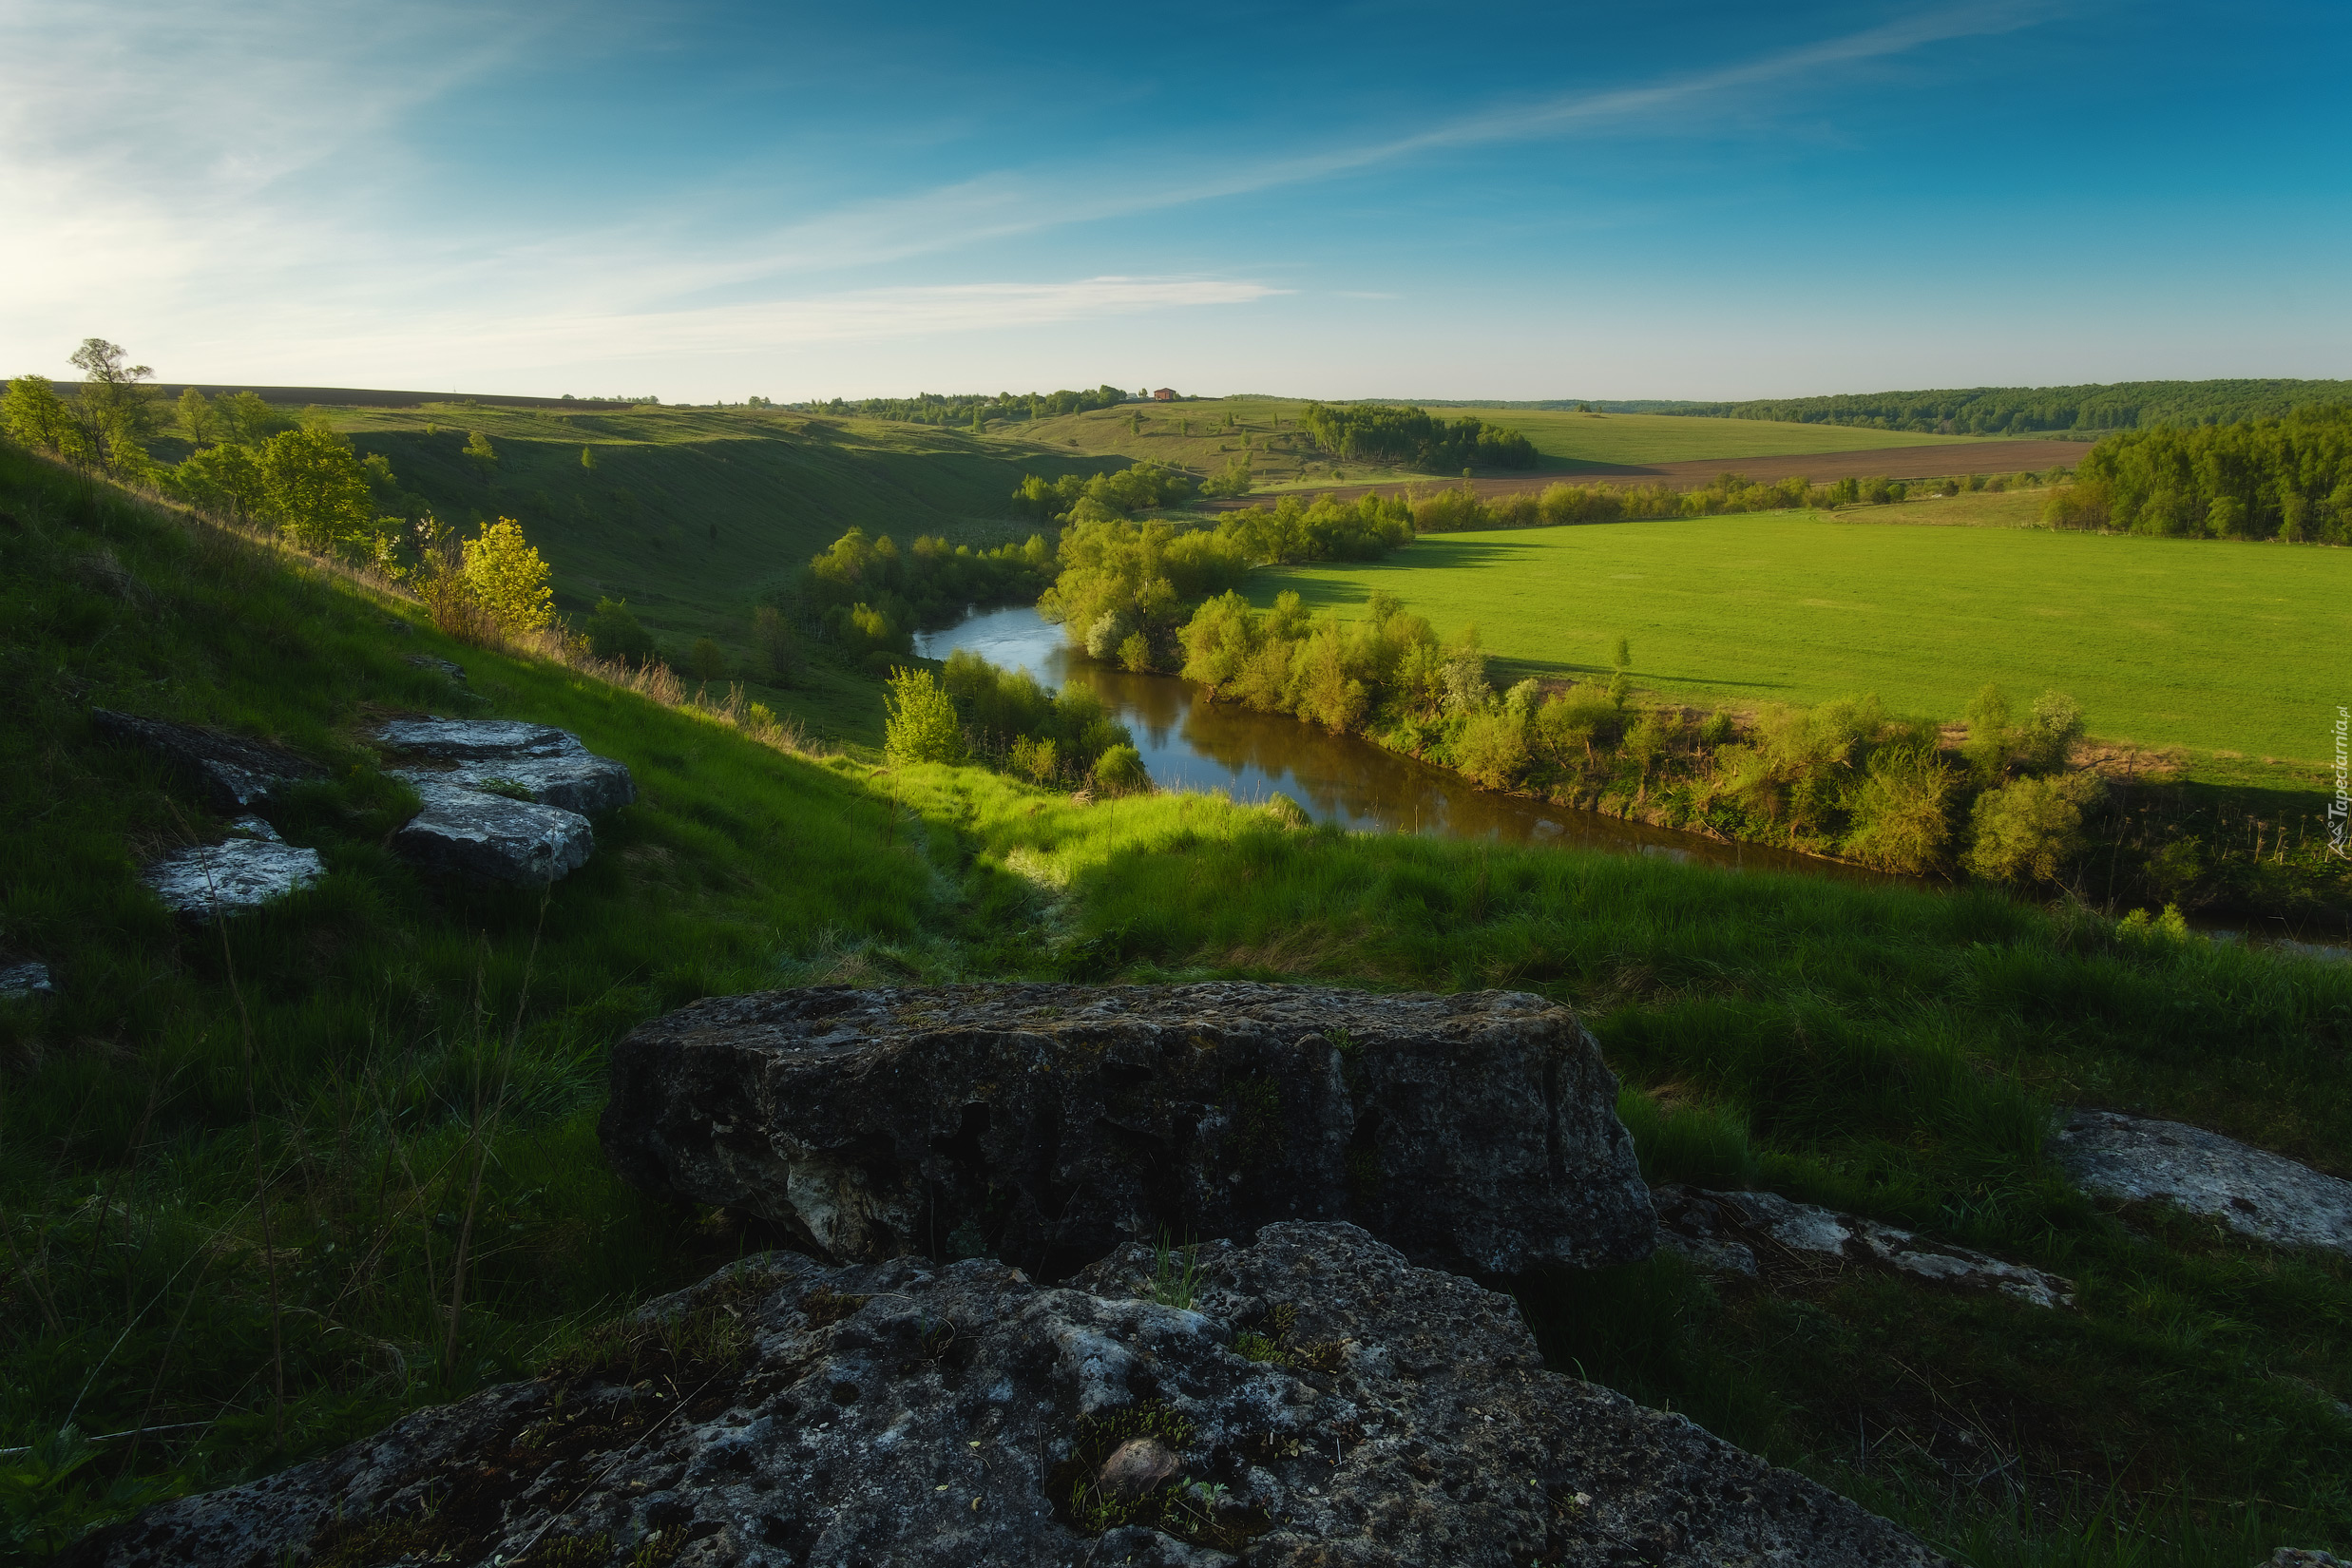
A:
(1164, 394)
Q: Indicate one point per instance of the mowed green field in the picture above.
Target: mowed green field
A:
(1568, 442)
(2207, 646)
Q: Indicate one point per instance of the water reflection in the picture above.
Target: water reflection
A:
(1190, 743)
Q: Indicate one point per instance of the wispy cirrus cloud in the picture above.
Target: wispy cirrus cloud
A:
(249, 184)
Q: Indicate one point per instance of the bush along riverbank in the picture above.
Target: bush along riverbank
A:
(2010, 794)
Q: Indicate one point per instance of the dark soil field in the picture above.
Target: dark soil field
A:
(1987, 457)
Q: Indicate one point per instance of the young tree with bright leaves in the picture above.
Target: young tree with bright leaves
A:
(36, 416)
(507, 576)
(314, 489)
(921, 723)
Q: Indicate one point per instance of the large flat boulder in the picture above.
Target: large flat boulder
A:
(2252, 1191)
(1043, 1124)
(1320, 1401)
(231, 877)
(506, 756)
(471, 832)
(232, 774)
(477, 739)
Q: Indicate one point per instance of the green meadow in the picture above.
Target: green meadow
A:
(1567, 442)
(2215, 646)
(236, 1163)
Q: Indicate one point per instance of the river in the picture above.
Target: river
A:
(1190, 743)
(1193, 744)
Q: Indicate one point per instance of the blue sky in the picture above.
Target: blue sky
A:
(1620, 201)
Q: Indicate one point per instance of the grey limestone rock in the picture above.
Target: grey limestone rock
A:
(231, 772)
(1747, 1232)
(2255, 1193)
(478, 739)
(231, 876)
(26, 982)
(1043, 1124)
(504, 756)
(429, 661)
(468, 832)
(1325, 1403)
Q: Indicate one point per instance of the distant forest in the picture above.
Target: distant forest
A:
(1376, 431)
(1989, 410)
(969, 410)
(2288, 479)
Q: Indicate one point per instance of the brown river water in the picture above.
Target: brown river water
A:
(1192, 744)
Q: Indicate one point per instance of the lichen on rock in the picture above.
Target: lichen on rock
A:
(786, 1413)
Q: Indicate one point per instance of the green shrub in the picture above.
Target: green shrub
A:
(1902, 812)
(614, 632)
(2027, 830)
(921, 725)
(1120, 771)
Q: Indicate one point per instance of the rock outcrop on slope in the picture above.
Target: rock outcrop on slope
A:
(534, 761)
(513, 802)
(244, 872)
(231, 774)
(26, 981)
(2252, 1191)
(1321, 1403)
(1043, 1124)
(1755, 1233)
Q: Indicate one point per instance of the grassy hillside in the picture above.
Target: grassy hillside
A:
(693, 515)
(2204, 645)
(1569, 442)
(236, 1163)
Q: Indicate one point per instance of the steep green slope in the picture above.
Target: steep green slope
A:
(1267, 431)
(235, 1164)
(693, 515)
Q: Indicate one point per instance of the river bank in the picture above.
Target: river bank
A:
(1192, 744)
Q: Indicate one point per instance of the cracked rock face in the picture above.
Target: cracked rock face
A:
(1747, 1232)
(548, 766)
(1321, 1403)
(477, 739)
(232, 774)
(2255, 1193)
(1043, 1124)
(231, 876)
(467, 833)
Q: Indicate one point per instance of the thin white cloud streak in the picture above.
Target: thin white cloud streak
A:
(772, 327)
(1002, 205)
(217, 185)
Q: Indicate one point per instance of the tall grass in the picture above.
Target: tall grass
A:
(425, 1064)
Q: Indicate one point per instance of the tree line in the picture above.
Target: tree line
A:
(1461, 508)
(1414, 437)
(2288, 479)
(867, 597)
(1124, 588)
(254, 464)
(972, 410)
(2025, 411)
(1090, 498)
(1840, 778)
